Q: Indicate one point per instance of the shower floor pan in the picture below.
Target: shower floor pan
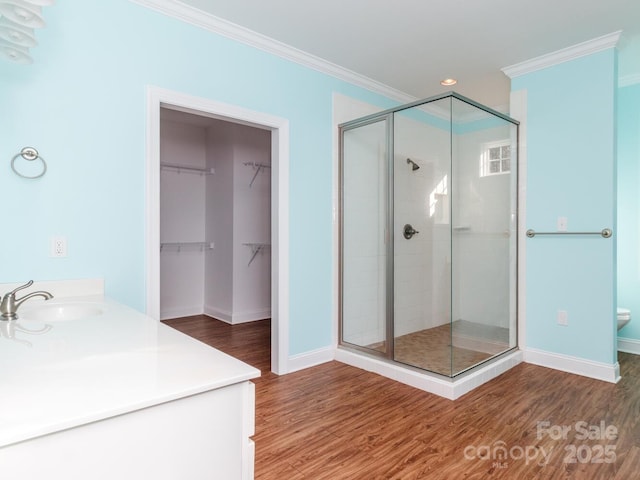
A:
(431, 350)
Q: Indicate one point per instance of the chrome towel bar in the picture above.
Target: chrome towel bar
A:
(605, 232)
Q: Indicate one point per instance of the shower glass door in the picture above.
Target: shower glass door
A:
(422, 236)
(454, 250)
(364, 236)
(483, 235)
(428, 248)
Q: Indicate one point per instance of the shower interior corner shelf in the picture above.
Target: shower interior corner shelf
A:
(174, 167)
(256, 248)
(179, 246)
(259, 168)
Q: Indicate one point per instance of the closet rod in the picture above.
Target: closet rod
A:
(180, 245)
(186, 168)
(257, 165)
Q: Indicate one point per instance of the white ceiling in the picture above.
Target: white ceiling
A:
(411, 45)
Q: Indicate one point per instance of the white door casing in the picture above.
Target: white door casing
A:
(279, 127)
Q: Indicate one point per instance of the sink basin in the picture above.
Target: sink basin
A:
(61, 312)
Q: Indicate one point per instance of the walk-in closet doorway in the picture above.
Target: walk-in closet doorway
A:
(217, 215)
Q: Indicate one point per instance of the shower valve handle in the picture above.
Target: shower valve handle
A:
(409, 231)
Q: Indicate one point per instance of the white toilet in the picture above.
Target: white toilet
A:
(624, 316)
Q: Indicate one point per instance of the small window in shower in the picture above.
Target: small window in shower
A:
(496, 158)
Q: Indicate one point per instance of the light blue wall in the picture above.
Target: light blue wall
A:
(570, 173)
(82, 104)
(629, 206)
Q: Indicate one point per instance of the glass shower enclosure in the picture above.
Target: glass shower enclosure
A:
(428, 244)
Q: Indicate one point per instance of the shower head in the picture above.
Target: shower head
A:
(414, 165)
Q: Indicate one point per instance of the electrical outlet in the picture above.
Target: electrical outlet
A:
(562, 224)
(58, 247)
(563, 318)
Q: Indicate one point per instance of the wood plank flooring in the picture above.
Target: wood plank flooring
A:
(335, 421)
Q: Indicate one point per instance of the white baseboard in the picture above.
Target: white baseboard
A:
(629, 345)
(236, 318)
(177, 312)
(579, 366)
(218, 314)
(310, 359)
(442, 386)
(251, 316)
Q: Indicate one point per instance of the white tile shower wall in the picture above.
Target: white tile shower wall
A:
(481, 238)
(422, 263)
(364, 297)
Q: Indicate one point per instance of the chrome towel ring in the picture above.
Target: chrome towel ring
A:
(30, 154)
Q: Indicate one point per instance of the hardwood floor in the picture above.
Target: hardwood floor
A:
(335, 421)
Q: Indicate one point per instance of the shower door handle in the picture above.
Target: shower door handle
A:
(409, 231)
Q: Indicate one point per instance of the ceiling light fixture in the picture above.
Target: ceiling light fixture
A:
(447, 82)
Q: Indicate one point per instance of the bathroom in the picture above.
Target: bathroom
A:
(94, 193)
(83, 104)
(628, 155)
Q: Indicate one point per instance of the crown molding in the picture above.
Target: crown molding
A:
(570, 53)
(629, 80)
(198, 18)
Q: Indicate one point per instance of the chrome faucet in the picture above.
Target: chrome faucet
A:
(9, 305)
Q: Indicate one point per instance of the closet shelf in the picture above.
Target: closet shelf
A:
(179, 246)
(259, 168)
(174, 167)
(256, 248)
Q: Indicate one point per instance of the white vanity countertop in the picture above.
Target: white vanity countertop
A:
(96, 367)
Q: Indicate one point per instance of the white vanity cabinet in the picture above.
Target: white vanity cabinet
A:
(120, 396)
(203, 436)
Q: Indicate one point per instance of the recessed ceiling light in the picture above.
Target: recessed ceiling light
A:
(447, 82)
